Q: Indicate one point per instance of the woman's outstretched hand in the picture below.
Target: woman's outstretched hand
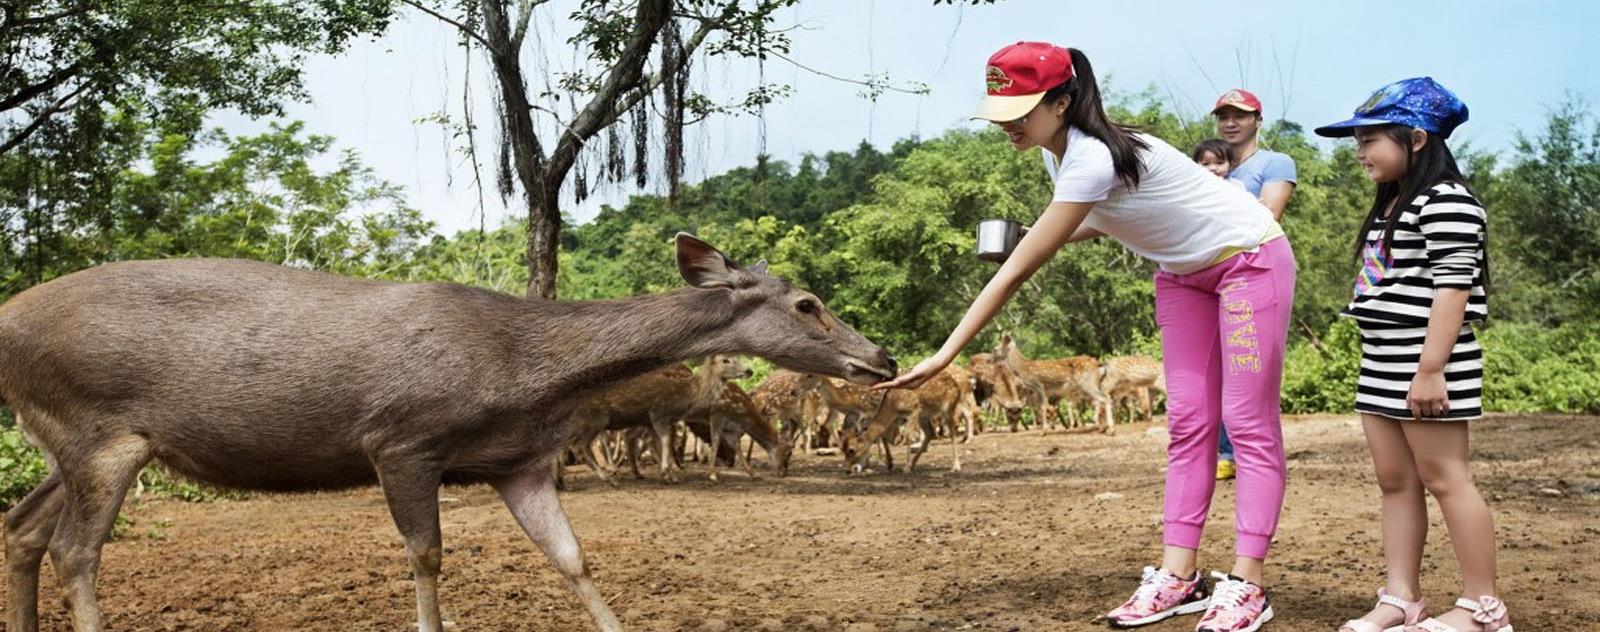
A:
(924, 371)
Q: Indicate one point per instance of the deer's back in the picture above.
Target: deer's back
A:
(254, 375)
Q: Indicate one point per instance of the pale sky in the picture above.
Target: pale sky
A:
(1311, 63)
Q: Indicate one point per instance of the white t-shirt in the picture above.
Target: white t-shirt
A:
(1181, 216)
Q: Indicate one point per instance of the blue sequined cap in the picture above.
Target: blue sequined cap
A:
(1419, 102)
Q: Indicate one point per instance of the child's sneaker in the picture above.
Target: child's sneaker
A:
(1160, 595)
(1236, 606)
(1225, 470)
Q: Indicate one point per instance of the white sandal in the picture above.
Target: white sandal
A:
(1411, 609)
(1488, 611)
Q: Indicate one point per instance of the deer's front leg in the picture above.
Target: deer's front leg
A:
(718, 424)
(664, 428)
(531, 497)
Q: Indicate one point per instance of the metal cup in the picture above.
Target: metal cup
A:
(997, 238)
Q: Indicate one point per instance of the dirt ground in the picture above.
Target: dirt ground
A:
(1037, 532)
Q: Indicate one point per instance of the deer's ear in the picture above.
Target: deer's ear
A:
(759, 268)
(703, 266)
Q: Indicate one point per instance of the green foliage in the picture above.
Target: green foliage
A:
(246, 54)
(1320, 376)
(1545, 220)
(21, 466)
(262, 199)
(1529, 368)
(87, 83)
(160, 482)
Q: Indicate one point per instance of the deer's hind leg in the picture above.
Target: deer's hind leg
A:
(29, 526)
(95, 472)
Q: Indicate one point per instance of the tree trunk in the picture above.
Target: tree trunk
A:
(541, 177)
(544, 225)
(528, 159)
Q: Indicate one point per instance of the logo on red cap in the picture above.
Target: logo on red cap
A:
(998, 80)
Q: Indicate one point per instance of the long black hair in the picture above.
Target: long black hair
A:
(1086, 113)
(1425, 168)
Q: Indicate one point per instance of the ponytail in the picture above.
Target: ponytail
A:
(1086, 113)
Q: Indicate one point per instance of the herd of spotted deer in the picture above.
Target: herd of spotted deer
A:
(672, 408)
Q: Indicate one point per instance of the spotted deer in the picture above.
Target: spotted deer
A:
(657, 400)
(792, 402)
(734, 415)
(999, 389)
(249, 375)
(852, 405)
(964, 422)
(936, 401)
(1071, 380)
(1133, 377)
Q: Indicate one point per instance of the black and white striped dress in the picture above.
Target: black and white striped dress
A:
(1438, 243)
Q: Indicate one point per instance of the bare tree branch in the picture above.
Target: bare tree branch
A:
(650, 82)
(40, 118)
(821, 73)
(624, 76)
(448, 20)
(524, 14)
(29, 93)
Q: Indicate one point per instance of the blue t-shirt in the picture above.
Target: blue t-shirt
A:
(1263, 167)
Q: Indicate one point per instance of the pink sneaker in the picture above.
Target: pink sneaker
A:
(1236, 606)
(1160, 595)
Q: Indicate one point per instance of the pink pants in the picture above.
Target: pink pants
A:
(1222, 338)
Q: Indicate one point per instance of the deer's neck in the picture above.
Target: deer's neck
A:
(1015, 360)
(707, 383)
(574, 346)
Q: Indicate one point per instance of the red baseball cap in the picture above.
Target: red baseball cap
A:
(1237, 98)
(1018, 76)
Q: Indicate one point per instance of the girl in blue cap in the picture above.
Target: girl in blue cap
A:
(1423, 271)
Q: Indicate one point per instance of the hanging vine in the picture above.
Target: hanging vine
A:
(674, 81)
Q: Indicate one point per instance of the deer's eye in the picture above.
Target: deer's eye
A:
(806, 306)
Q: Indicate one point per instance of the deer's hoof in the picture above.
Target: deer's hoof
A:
(713, 477)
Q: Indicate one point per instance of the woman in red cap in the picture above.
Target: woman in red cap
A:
(1223, 294)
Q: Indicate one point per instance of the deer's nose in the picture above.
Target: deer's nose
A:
(888, 360)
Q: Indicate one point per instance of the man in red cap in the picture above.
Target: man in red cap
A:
(1266, 174)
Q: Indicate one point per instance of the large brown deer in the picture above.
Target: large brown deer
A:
(657, 400)
(250, 375)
